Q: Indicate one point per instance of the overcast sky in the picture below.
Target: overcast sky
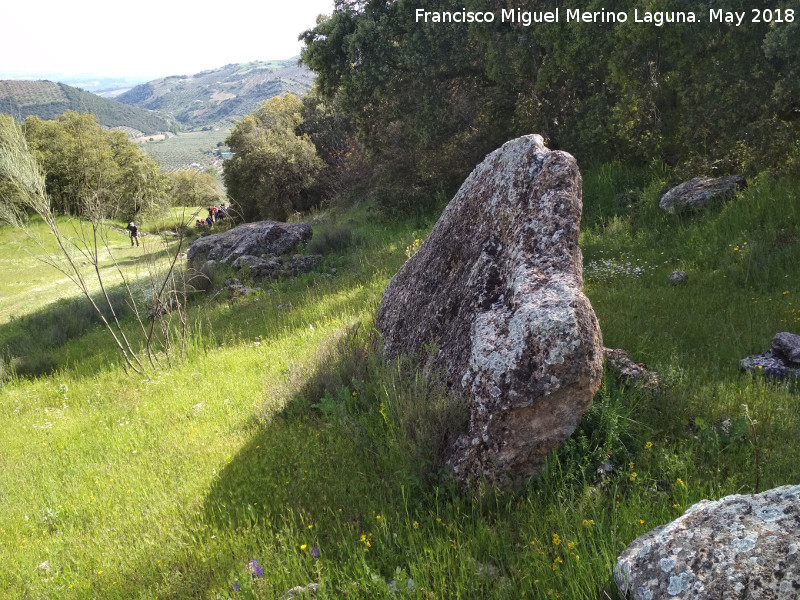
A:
(150, 38)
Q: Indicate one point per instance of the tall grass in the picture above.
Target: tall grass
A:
(286, 439)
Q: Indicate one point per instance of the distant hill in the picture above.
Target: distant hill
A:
(218, 97)
(47, 99)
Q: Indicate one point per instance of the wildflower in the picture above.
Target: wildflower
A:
(648, 445)
(256, 570)
(303, 546)
(311, 527)
(679, 481)
(634, 475)
(378, 517)
(416, 525)
(587, 522)
(641, 521)
(236, 587)
(571, 545)
(556, 539)
(314, 551)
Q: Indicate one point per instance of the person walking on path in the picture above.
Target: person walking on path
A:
(134, 231)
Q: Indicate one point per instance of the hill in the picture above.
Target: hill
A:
(46, 99)
(220, 96)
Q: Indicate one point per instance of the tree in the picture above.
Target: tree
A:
(190, 188)
(274, 169)
(80, 158)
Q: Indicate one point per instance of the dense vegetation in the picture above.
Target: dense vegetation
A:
(273, 169)
(429, 100)
(47, 100)
(83, 161)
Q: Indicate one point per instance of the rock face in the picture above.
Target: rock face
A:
(781, 361)
(737, 548)
(252, 239)
(497, 287)
(696, 193)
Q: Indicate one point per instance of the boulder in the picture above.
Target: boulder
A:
(787, 346)
(781, 361)
(253, 239)
(678, 278)
(736, 548)
(497, 288)
(696, 193)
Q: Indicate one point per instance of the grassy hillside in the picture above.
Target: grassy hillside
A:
(218, 97)
(46, 100)
(284, 439)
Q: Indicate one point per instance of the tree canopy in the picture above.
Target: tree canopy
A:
(82, 162)
(274, 168)
(429, 100)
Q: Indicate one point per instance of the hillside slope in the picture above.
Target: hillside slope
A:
(46, 99)
(220, 96)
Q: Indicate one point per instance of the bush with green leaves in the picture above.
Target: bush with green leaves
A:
(273, 170)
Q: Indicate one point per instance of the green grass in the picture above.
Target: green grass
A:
(284, 431)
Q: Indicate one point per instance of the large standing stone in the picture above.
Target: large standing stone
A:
(250, 239)
(696, 193)
(737, 548)
(497, 287)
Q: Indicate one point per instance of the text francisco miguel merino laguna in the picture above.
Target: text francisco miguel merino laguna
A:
(659, 18)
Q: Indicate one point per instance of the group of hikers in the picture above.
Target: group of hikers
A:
(214, 214)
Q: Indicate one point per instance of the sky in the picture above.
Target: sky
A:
(148, 38)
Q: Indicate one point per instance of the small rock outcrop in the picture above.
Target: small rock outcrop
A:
(781, 361)
(620, 365)
(255, 247)
(497, 287)
(736, 548)
(252, 239)
(697, 193)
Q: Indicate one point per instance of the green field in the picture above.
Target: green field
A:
(179, 152)
(283, 438)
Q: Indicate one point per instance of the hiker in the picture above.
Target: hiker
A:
(134, 231)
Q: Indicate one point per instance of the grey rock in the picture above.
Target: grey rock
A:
(264, 237)
(237, 289)
(303, 263)
(678, 278)
(620, 365)
(736, 548)
(247, 260)
(202, 279)
(781, 361)
(697, 193)
(497, 287)
(787, 346)
(771, 365)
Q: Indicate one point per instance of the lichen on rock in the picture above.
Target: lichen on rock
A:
(497, 288)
